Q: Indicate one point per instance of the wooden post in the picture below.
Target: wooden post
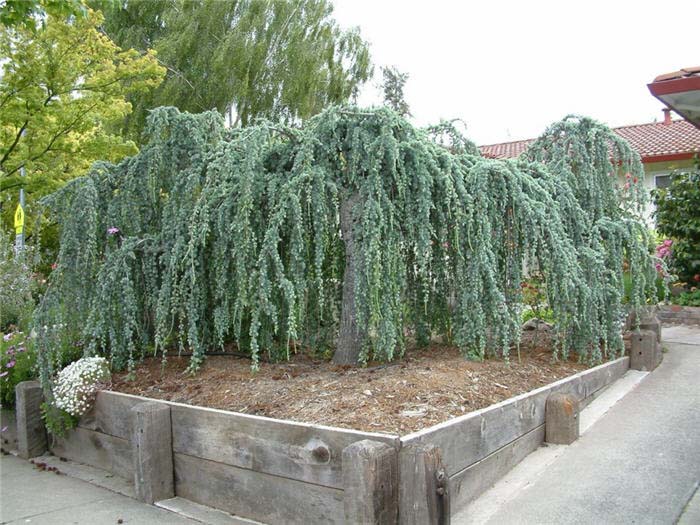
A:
(645, 353)
(152, 448)
(652, 323)
(644, 320)
(370, 482)
(424, 497)
(31, 432)
(561, 419)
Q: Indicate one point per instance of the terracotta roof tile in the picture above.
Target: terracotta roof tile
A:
(506, 150)
(649, 140)
(685, 72)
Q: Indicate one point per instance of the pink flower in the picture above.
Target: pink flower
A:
(10, 364)
(668, 242)
(54, 266)
(7, 337)
(113, 230)
(3, 374)
(659, 268)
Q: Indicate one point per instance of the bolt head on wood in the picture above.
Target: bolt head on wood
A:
(561, 419)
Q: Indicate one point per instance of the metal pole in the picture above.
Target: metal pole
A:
(19, 239)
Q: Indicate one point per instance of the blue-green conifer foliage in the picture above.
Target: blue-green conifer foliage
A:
(211, 236)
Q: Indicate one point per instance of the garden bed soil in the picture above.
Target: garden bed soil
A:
(426, 387)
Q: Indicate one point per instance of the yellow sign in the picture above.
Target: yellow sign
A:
(19, 219)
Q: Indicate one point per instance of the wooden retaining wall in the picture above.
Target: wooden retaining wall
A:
(482, 446)
(278, 471)
(675, 314)
(257, 467)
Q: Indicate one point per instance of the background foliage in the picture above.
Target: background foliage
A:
(61, 87)
(277, 59)
(393, 83)
(210, 236)
(17, 364)
(678, 217)
(29, 13)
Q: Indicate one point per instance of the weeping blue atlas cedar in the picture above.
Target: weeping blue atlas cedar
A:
(355, 232)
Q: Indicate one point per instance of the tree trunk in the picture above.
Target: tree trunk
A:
(350, 336)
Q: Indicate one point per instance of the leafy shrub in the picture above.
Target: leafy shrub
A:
(17, 364)
(534, 297)
(678, 217)
(17, 285)
(691, 298)
(544, 314)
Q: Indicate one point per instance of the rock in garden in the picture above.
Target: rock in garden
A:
(537, 324)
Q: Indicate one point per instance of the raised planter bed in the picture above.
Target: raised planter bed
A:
(282, 471)
(676, 314)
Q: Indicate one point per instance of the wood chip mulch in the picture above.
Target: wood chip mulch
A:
(426, 387)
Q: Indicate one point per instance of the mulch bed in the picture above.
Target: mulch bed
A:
(424, 388)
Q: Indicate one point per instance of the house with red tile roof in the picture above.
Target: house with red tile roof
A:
(663, 146)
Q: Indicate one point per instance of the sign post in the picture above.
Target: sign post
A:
(19, 223)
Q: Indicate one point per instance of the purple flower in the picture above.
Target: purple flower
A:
(3, 374)
(10, 364)
(113, 230)
(11, 350)
(7, 337)
(3, 429)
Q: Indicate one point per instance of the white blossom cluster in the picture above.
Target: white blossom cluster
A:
(77, 384)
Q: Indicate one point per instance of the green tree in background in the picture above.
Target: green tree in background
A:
(62, 85)
(678, 217)
(27, 13)
(277, 59)
(393, 82)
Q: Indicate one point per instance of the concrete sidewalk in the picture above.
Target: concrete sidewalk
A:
(28, 495)
(639, 463)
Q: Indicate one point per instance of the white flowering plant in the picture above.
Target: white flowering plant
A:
(73, 393)
(76, 385)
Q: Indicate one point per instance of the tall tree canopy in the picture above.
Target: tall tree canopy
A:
(356, 230)
(277, 59)
(61, 87)
(393, 82)
(28, 13)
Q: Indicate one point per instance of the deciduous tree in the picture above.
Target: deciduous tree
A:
(277, 59)
(393, 82)
(61, 86)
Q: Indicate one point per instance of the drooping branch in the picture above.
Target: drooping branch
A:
(356, 232)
